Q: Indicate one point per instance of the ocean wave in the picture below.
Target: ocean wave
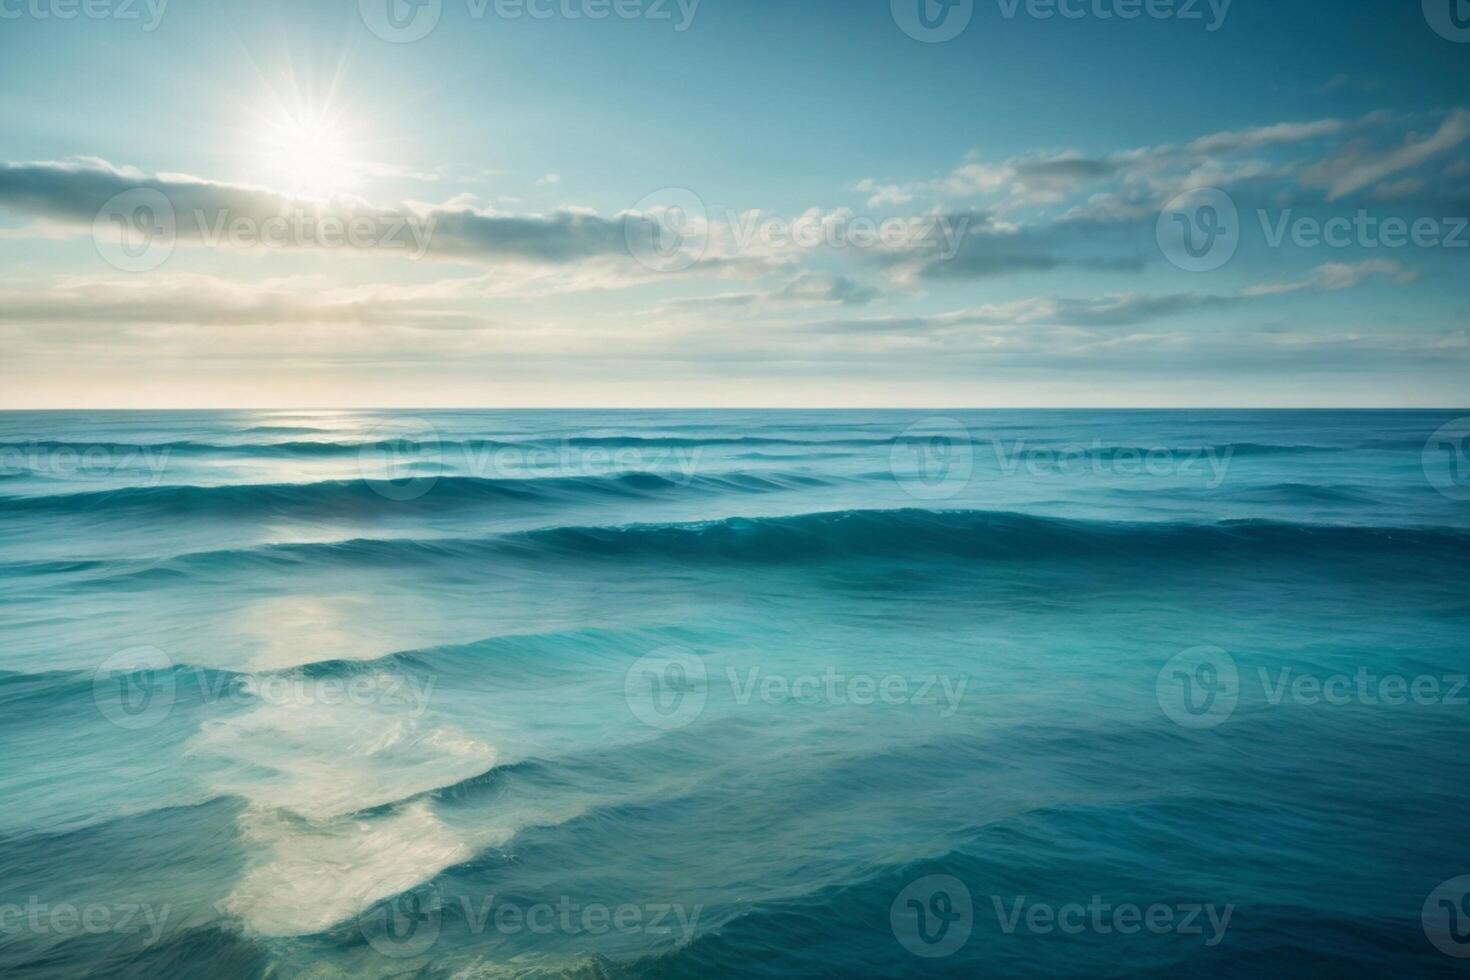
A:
(330, 761)
(351, 446)
(1306, 493)
(1022, 450)
(53, 689)
(307, 878)
(1276, 494)
(283, 429)
(615, 442)
(470, 446)
(917, 535)
(385, 674)
(325, 823)
(349, 497)
(147, 451)
(971, 534)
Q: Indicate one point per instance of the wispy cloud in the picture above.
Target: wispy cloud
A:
(1356, 167)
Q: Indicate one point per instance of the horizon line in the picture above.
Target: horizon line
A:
(746, 408)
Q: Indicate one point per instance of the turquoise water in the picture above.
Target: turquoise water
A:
(734, 693)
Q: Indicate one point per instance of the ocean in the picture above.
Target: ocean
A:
(666, 694)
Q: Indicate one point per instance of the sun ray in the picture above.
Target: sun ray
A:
(300, 137)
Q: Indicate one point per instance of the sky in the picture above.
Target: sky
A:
(641, 203)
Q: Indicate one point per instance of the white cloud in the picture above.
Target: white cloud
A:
(1356, 167)
(1337, 276)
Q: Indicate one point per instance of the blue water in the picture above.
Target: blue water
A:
(732, 693)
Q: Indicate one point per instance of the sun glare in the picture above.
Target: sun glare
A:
(306, 153)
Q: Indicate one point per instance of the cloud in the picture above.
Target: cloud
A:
(1123, 309)
(1003, 337)
(1356, 167)
(1342, 81)
(1128, 309)
(1050, 179)
(1400, 190)
(205, 211)
(209, 300)
(1133, 184)
(1033, 179)
(883, 195)
(805, 290)
(1337, 276)
(1022, 180)
(989, 247)
(1237, 141)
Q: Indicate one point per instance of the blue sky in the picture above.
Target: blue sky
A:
(733, 202)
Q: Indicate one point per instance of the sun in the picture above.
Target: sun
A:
(304, 131)
(306, 153)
